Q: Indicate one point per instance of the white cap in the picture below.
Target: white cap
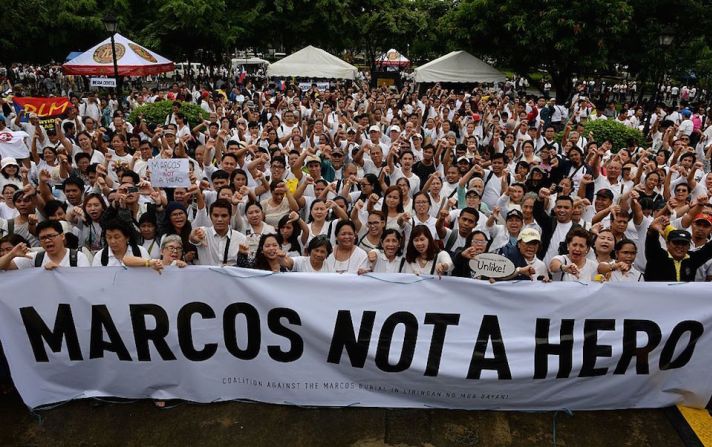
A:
(8, 161)
(395, 129)
(374, 128)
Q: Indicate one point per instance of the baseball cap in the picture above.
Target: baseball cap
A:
(32, 115)
(515, 213)
(311, 159)
(705, 217)
(679, 236)
(337, 150)
(7, 161)
(417, 135)
(686, 113)
(374, 128)
(169, 132)
(605, 192)
(465, 159)
(350, 130)
(472, 192)
(528, 235)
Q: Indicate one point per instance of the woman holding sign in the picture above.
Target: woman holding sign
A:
(476, 243)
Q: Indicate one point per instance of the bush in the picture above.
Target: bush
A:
(608, 129)
(156, 113)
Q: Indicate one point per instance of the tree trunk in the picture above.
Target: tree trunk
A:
(562, 84)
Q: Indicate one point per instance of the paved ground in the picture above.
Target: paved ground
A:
(93, 423)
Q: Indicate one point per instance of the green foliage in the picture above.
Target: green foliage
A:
(618, 133)
(157, 112)
(566, 37)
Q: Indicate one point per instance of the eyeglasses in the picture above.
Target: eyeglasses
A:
(48, 237)
(173, 249)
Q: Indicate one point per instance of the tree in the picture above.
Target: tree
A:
(564, 37)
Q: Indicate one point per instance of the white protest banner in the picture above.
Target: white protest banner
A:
(102, 82)
(213, 334)
(12, 144)
(169, 172)
(492, 265)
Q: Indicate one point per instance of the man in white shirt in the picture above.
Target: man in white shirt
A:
(55, 253)
(217, 243)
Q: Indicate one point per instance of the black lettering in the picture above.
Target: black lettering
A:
(440, 323)
(296, 344)
(489, 330)
(252, 319)
(345, 338)
(591, 349)
(695, 329)
(157, 335)
(563, 350)
(385, 339)
(64, 330)
(631, 328)
(185, 331)
(101, 322)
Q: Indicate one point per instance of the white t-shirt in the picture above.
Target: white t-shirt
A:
(357, 260)
(26, 263)
(113, 262)
(383, 265)
(414, 267)
(559, 236)
(302, 264)
(587, 273)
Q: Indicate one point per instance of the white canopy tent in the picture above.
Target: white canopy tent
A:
(458, 66)
(132, 60)
(312, 62)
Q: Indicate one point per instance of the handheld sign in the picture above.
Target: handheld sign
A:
(102, 82)
(169, 172)
(491, 265)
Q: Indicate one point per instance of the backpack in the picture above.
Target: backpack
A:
(72, 258)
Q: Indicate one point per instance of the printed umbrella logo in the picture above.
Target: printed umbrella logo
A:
(143, 53)
(102, 55)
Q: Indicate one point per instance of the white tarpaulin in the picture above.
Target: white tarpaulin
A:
(131, 58)
(214, 334)
(458, 66)
(312, 62)
(12, 144)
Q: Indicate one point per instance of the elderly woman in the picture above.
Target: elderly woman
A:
(171, 254)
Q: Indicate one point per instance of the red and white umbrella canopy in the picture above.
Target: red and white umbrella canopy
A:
(131, 58)
(392, 58)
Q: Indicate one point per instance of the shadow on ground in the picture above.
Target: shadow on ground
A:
(96, 423)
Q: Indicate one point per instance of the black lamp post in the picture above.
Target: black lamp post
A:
(664, 41)
(111, 25)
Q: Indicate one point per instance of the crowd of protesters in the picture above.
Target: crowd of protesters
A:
(354, 179)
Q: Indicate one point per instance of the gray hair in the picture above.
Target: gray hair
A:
(171, 238)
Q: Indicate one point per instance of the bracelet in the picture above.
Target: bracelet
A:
(148, 262)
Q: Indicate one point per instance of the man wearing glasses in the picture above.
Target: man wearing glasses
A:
(55, 253)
